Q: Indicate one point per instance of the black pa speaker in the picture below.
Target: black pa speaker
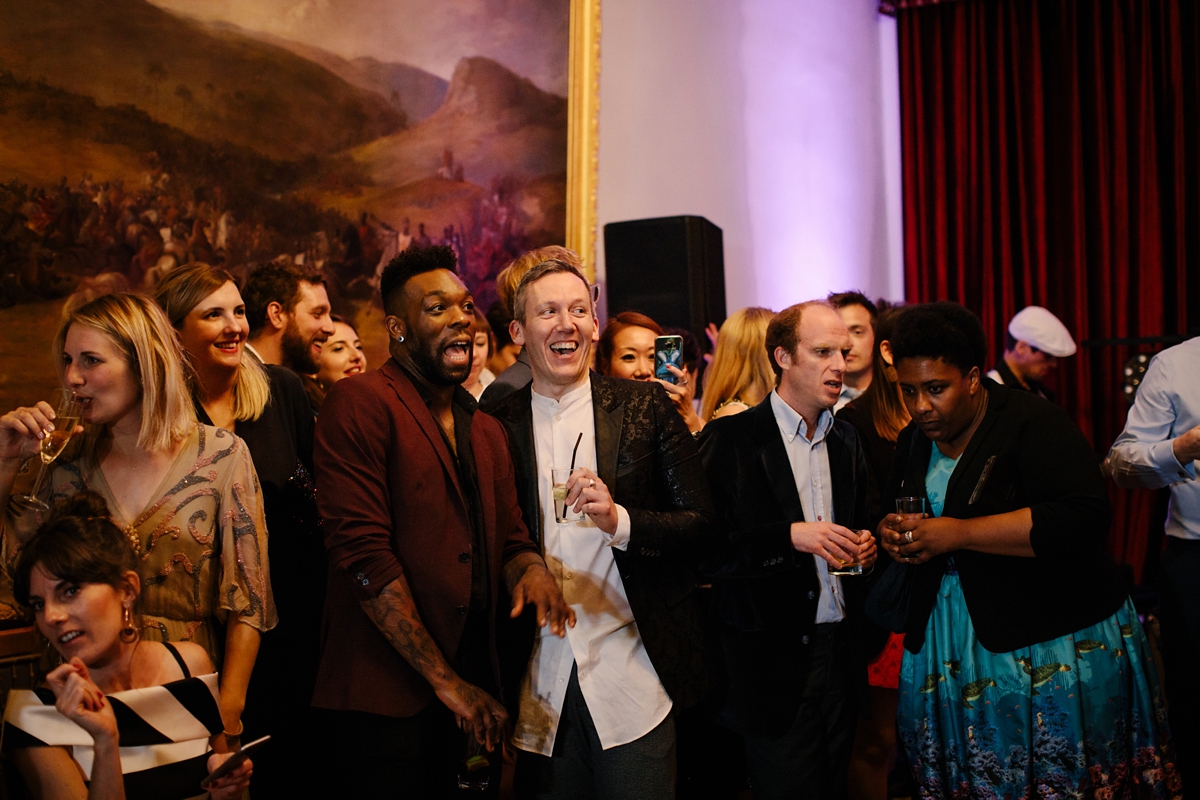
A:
(671, 269)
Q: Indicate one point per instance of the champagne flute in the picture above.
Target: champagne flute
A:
(66, 419)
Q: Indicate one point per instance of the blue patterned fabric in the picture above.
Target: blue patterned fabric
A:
(1080, 716)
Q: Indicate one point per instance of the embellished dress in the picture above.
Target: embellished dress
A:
(201, 543)
(1079, 716)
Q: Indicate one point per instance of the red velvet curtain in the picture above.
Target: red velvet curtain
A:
(1051, 156)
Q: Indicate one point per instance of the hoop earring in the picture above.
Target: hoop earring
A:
(129, 633)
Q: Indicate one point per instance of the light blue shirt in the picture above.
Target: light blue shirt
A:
(810, 470)
(1167, 406)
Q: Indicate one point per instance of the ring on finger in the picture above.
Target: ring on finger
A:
(908, 536)
(591, 483)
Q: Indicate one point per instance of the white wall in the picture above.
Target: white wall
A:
(776, 119)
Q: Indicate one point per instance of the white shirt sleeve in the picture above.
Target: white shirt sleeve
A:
(620, 539)
(1142, 456)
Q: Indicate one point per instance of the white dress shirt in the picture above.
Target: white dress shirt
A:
(1167, 406)
(810, 469)
(623, 693)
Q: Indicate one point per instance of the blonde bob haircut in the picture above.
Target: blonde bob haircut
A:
(181, 291)
(139, 329)
(741, 366)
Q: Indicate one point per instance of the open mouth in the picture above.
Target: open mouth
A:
(458, 353)
(564, 348)
(355, 370)
(834, 385)
(228, 347)
(68, 637)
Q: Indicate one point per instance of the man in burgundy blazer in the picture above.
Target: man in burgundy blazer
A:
(418, 496)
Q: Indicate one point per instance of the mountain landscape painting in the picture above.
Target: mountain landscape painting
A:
(139, 135)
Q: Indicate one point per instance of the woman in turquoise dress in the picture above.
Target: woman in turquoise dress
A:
(1026, 672)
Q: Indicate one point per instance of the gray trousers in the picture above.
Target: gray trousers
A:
(643, 769)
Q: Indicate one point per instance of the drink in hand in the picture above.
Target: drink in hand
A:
(56, 440)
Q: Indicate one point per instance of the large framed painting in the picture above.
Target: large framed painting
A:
(138, 135)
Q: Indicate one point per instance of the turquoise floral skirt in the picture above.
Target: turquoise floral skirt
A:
(1076, 717)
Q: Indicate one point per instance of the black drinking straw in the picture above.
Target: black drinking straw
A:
(574, 452)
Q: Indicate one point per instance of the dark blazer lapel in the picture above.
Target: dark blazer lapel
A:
(977, 439)
(841, 472)
(408, 395)
(525, 460)
(608, 435)
(776, 463)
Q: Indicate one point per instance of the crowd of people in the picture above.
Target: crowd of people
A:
(834, 543)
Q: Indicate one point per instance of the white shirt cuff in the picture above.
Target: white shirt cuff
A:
(1163, 456)
(620, 539)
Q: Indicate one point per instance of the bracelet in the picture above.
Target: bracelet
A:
(232, 734)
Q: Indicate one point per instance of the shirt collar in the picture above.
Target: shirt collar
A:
(570, 398)
(791, 424)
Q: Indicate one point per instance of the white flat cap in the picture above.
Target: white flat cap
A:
(1043, 330)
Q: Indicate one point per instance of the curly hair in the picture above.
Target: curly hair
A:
(409, 263)
(941, 330)
(274, 283)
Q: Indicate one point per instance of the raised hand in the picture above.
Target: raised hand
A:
(79, 699)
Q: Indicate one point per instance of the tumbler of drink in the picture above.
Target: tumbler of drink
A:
(848, 567)
(563, 512)
(474, 769)
(910, 507)
(66, 419)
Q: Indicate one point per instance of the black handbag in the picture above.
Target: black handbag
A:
(887, 604)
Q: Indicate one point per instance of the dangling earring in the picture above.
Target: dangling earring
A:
(128, 632)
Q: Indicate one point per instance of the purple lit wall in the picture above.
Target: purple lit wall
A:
(776, 119)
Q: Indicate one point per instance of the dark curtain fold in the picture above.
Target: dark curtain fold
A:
(1051, 156)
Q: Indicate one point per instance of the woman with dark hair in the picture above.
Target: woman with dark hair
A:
(484, 343)
(626, 350)
(341, 356)
(878, 415)
(265, 405)
(185, 495)
(157, 702)
(1026, 671)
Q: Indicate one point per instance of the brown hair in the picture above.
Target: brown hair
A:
(274, 283)
(539, 271)
(741, 369)
(784, 331)
(181, 291)
(78, 543)
(483, 326)
(510, 277)
(882, 398)
(626, 319)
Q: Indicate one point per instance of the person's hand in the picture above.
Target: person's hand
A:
(915, 540)
(538, 587)
(867, 551)
(475, 710)
(836, 544)
(587, 494)
(712, 332)
(80, 700)
(22, 431)
(681, 394)
(1187, 446)
(232, 785)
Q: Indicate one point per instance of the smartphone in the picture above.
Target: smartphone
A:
(668, 350)
(233, 762)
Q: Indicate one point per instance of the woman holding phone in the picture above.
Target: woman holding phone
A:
(185, 495)
(626, 350)
(157, 701)
(1026, 671)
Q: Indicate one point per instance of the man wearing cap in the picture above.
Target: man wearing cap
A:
(1036, 340)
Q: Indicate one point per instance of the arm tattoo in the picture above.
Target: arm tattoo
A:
(395, 614)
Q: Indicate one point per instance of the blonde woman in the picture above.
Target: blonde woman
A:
(185, 495)
(266, 406)
(740, 375)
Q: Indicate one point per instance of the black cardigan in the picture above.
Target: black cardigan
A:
(1039, 460)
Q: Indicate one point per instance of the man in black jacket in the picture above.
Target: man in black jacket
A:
(599, 707)
(790, 484)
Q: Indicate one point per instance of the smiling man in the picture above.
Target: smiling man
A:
(288, 311)
(423, 527)
(598, 708)
(790, 486)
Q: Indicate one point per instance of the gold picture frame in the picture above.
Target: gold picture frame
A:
(583, 131)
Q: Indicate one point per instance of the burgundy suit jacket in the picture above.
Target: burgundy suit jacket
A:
(389, 495)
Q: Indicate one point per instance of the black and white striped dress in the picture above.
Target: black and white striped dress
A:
(164, 733)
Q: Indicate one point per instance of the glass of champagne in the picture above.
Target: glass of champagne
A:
(66, 419)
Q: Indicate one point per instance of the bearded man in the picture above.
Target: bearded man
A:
(288, 312)
(418, 495)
